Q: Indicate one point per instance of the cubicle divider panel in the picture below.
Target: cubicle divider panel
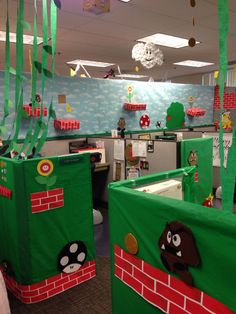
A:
(165, 252)
(199, 152)
(48, 242)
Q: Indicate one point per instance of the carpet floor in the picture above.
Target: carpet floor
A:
(91, 297)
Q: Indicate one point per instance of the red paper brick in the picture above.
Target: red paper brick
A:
(170, 294)
(155, 299)
(38, 285)
(56, 204)
(193, 307)
(215, 306)
(33, 293)
(146, 280)
(55, 291)
(55, 191)
(133, 259)
(118, 272)
(62, 281)
(132, 282)
(186, 290)
(117, 250)
(39, 298)
(70, 284)
(123, 264)
(40, 208)
(83, 278)
(47, 288)
(53, 279)
(47, 200)
(36, 195)
(156, 273)
(173, 309)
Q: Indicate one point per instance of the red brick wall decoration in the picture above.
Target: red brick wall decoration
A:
(229, 100)
(36, 111)
(47, 200)
(5, 192)
(162, 290)
(49, 287)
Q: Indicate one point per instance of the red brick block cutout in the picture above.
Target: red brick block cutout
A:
(36, 111)
(195, 112)
(49, 287)
(5, 192)
(47, 200)
(134, 107)
(162, 290)
(63, 124)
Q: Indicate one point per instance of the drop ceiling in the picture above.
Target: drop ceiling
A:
(109, 37)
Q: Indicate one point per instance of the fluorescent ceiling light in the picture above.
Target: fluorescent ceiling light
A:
(27, 39)
(131, 76)
(166, 40)
(125, 0)
(192, 63)
(91, 63)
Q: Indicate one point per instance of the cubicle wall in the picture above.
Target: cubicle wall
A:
(165, 252)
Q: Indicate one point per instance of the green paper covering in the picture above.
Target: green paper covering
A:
(145, 216)
(175, 118)
(203, 149)
(31, 242)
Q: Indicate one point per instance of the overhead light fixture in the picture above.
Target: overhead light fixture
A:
(27, 39)
(166, 40)
(193, 63)
(135, 76)
(91, 63)
(125, 0)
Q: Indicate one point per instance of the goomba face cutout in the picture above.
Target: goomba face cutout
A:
(72, 257)
(193, 158)
(178, 250)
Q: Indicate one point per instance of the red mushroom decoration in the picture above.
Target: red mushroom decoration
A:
(144, 121)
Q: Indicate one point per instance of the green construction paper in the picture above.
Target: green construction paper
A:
(203, 149)
(47, 73)
(145, 216)
(53, 23)
(38, 66)
(175, 117)
(48, 49)
(7, 72)
(32, 242)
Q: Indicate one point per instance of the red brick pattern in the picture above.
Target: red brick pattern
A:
(47, 200)
(36, 111)
(63, 124)
(162, 290)
(5, 192)
(195, 112)
(134, 107)
(229, 100)
(49, 287)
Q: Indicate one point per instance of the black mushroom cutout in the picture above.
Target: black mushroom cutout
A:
(72, 257)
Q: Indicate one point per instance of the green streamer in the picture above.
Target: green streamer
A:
(28, 137)
(223, 34)
(53, 32)
(7, 71)
(45, 41)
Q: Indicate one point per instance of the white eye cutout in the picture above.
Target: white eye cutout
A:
(64, 260)
(169, 236)
(81, 257)
(73, 247)
(176, 240)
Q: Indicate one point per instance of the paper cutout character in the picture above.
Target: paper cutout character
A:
(193, 158)
(72, 257)
(121, 127)
(227, 123)
(178, 250)
(208, 202)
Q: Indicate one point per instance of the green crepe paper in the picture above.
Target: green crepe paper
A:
(175, 117)
(227, 178)
(203, 148)
(28, 137)
(7, 71)
(32, 242)
(145, 216)
(53, 18)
